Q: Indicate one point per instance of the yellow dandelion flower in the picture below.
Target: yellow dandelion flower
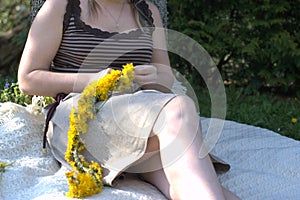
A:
(70, 174)
(294, 120)
(72, 116)
(126, 78)
(86, 177)
(3, 166)
(123, 83)
(128, 70)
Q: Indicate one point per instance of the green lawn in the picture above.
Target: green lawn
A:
(266, 110)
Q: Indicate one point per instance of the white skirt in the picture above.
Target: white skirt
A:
(117, 137)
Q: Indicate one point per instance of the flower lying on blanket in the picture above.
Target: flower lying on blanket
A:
(86, 178)
(3, 167)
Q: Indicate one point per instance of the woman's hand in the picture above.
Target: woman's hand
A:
(145, 75)
(148, 79)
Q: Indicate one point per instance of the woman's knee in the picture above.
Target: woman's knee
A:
(180, 107)
(178, 113)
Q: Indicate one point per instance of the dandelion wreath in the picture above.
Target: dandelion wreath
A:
(85, 179)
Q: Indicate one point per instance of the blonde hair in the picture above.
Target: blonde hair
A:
(92, 6)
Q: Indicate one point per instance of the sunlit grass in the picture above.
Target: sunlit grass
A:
(266, 110)
(10, 92)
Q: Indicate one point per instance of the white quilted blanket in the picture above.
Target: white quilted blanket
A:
(264, 164)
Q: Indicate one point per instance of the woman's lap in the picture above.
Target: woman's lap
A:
(118, 136)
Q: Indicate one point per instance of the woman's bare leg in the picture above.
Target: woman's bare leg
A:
(158, 179)
(183, 174)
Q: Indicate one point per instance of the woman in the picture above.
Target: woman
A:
(162, 129)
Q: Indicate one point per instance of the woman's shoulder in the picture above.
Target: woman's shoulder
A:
(52, 9)
(155, 14)
(51, 14)
(154, 9)
(57, 3)
(56, 6)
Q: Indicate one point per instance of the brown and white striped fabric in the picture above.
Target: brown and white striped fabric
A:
(87, 49)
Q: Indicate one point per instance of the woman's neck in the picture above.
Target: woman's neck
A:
(112, 1)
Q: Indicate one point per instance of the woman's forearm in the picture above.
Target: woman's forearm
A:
(165, 78)
(163, 83)
(47, 83)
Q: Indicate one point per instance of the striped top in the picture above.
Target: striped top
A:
(87, 49)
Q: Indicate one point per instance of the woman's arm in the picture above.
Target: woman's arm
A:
(160, 53)
(164, 78)
(41, 46)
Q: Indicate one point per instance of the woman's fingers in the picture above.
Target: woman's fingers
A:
(145, 69)
(145, 74)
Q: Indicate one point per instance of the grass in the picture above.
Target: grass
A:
(266, 110)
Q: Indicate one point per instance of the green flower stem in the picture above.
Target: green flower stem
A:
(3, 167)
(101, 105)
